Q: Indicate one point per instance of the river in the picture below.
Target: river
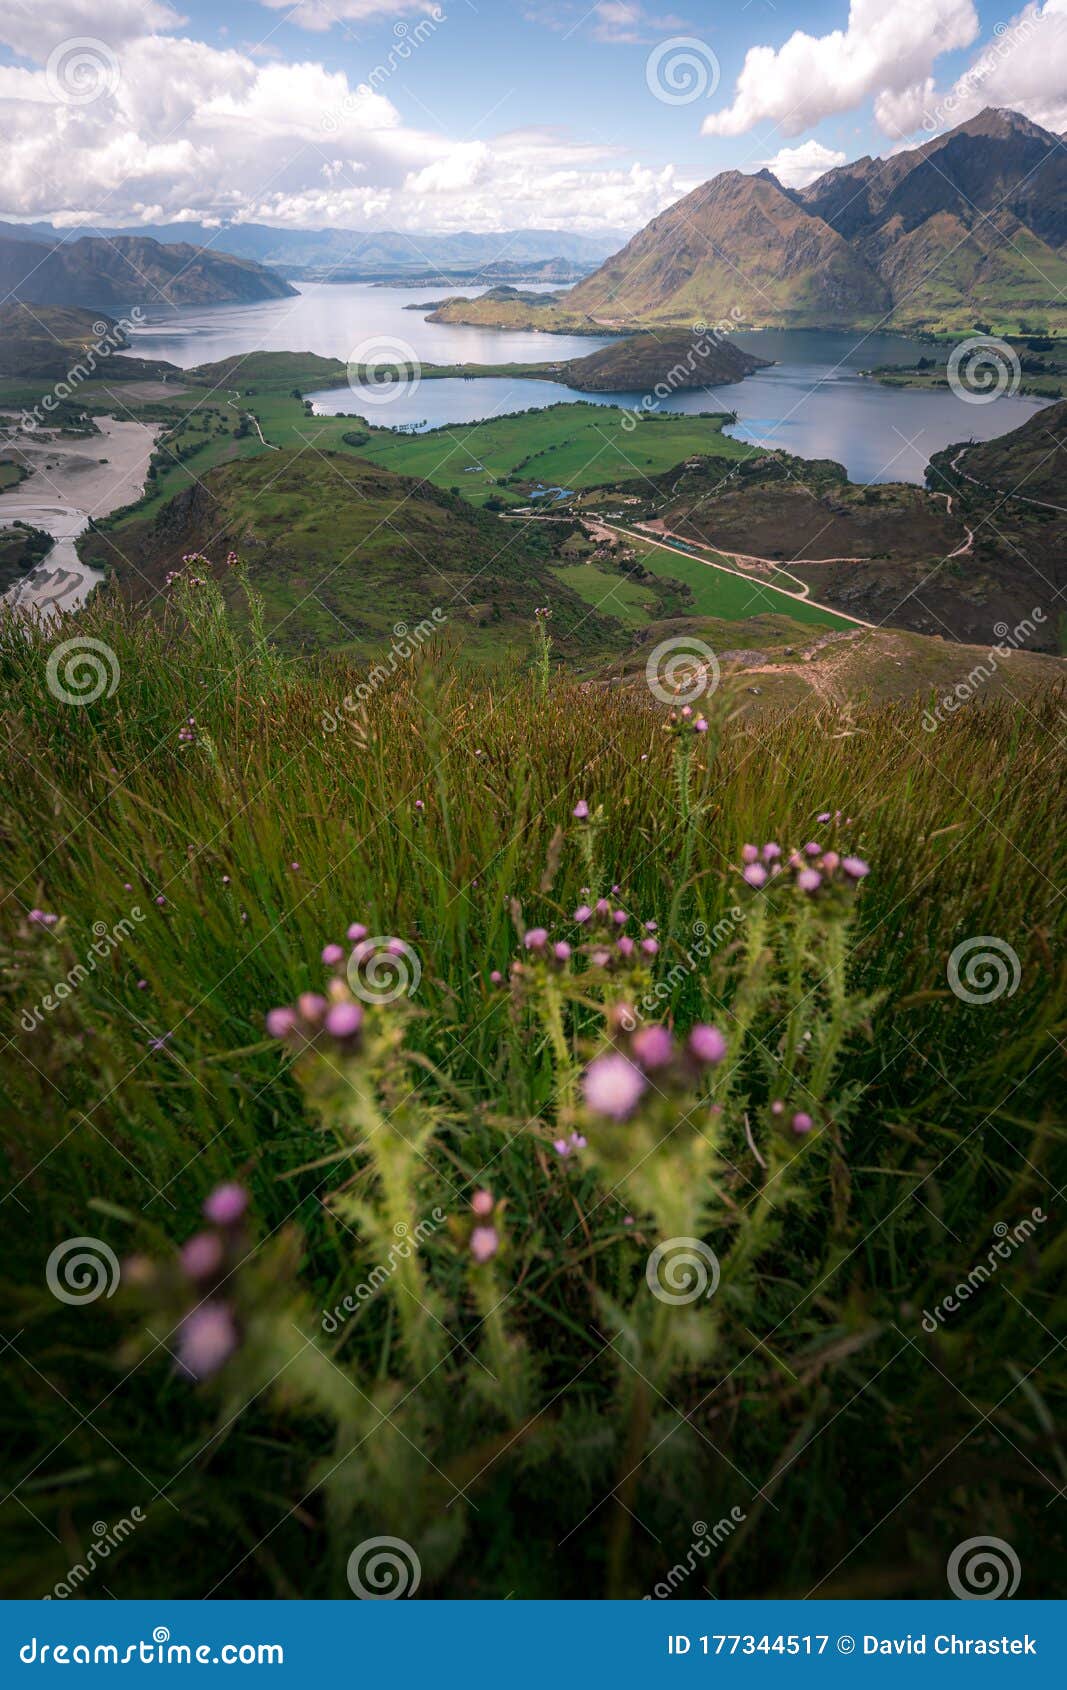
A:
(814, 401)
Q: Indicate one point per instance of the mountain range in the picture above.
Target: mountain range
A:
(113, 274)
(967, 231)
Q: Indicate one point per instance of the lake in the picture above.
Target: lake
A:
(813, 402)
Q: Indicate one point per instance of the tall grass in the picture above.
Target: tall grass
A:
(504, 1422)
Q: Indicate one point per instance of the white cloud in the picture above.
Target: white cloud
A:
(182, 129)
(33, 30)
(1021, 66)
(888, 47)
(795, 167)
(323, 14)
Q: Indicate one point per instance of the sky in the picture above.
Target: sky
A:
(440, 115)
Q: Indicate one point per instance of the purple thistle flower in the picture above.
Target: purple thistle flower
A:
(600, 957)
(496, 977)
(561, 951)
(206, 1339)
(802, 1123)
(332, 955)
(226, 1204)
(485, 1242)
(612, 1086)
(343, 1020)
(754, 875)
(312, 1007)
(855, 867)
(201, 1256)
(824, 816)
(482, 1202)
(653, 1047)
(830, 861)
(650, 946)
(356, 932)
(536, 939)
(625, 946)
(582, 913)
(811, 849)
(561, 1147)
(706, 1043)
(280, 1023)
(771, 852)
(809, 880)
(700, 726)
(749, 853)
(777, 1107)
(620, 918)
(603, 907)
(581, 810)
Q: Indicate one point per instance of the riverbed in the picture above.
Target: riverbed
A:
(70, 481)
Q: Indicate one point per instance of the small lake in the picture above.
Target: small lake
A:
(813, 402)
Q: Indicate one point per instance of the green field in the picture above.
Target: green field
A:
(717, 593)
(521, 1407)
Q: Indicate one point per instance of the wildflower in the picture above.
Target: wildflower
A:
(161, 900)
(485, 1242)
(356, 932)
(620, 917)
(482, 1202)
(700, 726)
(419, 805)
(280, 1023)
(295, 867)
(41, 918)
(581, 810)
(343, 1020)
(201, 1257)
(536, 939)
(830, 861)
(749, 853)
(225, 880)
(160, 1043)
(771, 852)
(809, 880)
(754, 875)
(142, 985)
(496, 977)
(650, 946)
(562, 951)
(582, 913)
(206, 1339)
(706, 1043)
(332, 955)
(802, 1123)
(811, 849)
(612, 1085)
(226, 1204)
(653, 1047)
(651, 926)
(625, 946)
(312, 1007)
(855, 867)
(602, 907)
(777, 1107)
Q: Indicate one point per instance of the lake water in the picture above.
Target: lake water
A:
(813, 401)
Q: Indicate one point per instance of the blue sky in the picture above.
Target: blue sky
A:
(446, 114)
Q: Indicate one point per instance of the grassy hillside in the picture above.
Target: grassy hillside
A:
(344, 551)
(530, 1374)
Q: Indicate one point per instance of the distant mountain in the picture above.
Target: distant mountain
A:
(364, 251)
(967, 230)
(44, 342)
(125, 270)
